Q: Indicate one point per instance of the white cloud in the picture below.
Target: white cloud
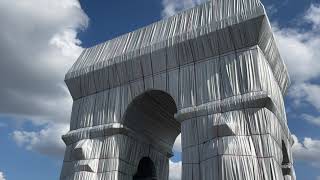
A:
(313, 16)
(177, 144)
(306, 93)
(312, 119)
(47, 141)
(318, 177)
(300, 50)
(175, 167)
(307, 151)
(2, 176)
(38, 44)
(299, 47)
(171, 7)
(175, 170)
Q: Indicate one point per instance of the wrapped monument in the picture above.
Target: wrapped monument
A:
(212, 73)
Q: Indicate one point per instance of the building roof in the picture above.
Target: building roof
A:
(228, 24)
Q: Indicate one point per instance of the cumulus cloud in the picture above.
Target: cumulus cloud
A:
(47, 141)
(299, 47)
(38, 44)
(313, 16)
(171, 7)
(177, 144)
(175, 167)
(175, 170)
(308, 150)
(2, 176)
(300, 51)
(305, 93)
(312, 119)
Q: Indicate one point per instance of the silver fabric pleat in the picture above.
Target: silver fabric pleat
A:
(219, 64)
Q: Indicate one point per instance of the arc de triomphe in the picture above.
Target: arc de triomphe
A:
(212, 73)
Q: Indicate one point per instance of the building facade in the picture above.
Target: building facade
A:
(212, 73)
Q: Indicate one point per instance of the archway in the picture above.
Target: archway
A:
(152, 115)
(146, 170)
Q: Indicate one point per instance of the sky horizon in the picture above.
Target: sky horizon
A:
(41, 39)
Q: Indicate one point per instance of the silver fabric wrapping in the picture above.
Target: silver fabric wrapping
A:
(220, 65)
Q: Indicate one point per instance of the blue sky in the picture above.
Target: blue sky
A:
(40, 40)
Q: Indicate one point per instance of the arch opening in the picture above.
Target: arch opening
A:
(151, 115)
(146, 170)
